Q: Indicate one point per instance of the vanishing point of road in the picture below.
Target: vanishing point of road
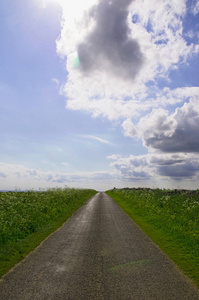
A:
(99, 253)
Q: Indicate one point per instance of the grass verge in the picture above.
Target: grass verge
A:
(170, 219)
(27, 218)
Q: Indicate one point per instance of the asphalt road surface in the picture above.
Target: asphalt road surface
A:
(99, 253)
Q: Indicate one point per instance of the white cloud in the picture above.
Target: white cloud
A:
(112, 109)
(195, 8)
(133, 168)
(129, 128)
(162, 43)
(102, 75)
(15, 176)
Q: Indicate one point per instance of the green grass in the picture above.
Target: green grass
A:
(27, 218)
(170, 219)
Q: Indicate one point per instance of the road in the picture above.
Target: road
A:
(99, 253)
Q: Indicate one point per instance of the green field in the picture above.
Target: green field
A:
(170, 218)
(27, 218)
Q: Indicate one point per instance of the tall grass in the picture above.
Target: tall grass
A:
(170, 218)
(26, 218)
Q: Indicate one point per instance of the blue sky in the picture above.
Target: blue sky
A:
(98, 94)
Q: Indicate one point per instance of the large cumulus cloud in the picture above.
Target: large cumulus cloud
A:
(177, 132)
(114, 48)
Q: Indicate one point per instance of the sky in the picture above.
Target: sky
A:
(99, 94)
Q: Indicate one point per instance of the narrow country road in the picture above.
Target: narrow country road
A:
(99, 253)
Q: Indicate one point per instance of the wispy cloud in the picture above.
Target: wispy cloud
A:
(93, 137)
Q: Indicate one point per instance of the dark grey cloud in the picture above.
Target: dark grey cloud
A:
(187, 170)
(176, 167)
(109, 46)
(182, 140)
(166, 162)
(184, 136)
